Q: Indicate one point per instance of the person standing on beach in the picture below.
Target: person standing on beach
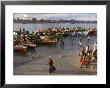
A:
(82, 61)
(94, 56)
(88, 59)
(88, 38)
(51, 66)
(83, 51)
(87, 49)
(95, 46)
(80, 43)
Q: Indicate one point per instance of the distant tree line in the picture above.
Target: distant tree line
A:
(34, 20)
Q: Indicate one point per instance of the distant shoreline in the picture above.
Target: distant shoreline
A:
(51, 21)
(48, 23)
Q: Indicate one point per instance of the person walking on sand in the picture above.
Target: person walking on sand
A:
(88, 58)
(87, 49)
(82, 61)
(51, 66)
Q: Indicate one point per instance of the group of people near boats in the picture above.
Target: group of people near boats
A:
(87, 56)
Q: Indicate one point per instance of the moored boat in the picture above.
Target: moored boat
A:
(46, 42)
(92, 32)
(20, 48)
(30, 45)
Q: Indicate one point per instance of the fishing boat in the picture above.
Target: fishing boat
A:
(66, 34)
(85, 33)
(30, 46)
(92, 32)
(46, 42)
(20, 48)
(81, 33)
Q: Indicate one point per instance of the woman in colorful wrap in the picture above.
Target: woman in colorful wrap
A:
(83, 61)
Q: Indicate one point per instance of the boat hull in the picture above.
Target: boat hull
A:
(30, 46)
(20, 48)
(46, 42)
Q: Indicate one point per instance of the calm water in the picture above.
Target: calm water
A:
(45, 51)
(32, 27)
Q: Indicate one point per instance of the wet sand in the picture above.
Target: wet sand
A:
(67, 64)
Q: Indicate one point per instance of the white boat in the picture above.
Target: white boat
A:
(80, 33)
(85, 33)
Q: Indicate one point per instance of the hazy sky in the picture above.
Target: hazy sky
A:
(57, 16)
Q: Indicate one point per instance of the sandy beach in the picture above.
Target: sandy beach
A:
(67, 65)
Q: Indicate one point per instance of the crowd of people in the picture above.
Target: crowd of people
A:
(87, 55)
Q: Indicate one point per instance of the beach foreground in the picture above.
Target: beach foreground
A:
(67, 64)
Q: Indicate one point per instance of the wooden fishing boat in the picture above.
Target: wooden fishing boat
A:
(46, 42)
(30, 45)
(80, 33)
(20, 48)
(92, 32)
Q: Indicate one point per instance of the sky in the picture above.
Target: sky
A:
(58, 16)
